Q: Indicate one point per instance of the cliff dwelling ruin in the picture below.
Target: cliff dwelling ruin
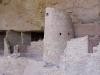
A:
(49, 37)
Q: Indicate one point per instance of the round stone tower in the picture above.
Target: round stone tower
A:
(58, 30)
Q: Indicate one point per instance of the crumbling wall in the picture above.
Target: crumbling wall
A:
(13, 37)
(76, 56)
(19, 39)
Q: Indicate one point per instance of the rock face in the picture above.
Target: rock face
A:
(84, 11)
(58, 29)
(27, 15)
(91, 29)
(21, 15)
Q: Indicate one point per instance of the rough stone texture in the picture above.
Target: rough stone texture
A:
(13, 37)
(93, 66)
(77, 61)
(91, 29)
(2, 35)
(41, 70)
(58, 29)
(84, 11)
(96, 49)
(21, 15)
(71, 4)
(22, 49)
(26, 38)
(19, 41)
(38, 66)
(16, 38)
(76, 56)
(93, 41)
(77, 48)
(53, 71)
(12, 66)
(16, 49)
(78, 67)
(87, 15)
(35, 50)
(6, 47)
(28, 15)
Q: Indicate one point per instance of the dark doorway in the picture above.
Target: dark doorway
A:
(2, 36)
(35, 36)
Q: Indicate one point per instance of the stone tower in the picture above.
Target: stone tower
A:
(58, 29)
